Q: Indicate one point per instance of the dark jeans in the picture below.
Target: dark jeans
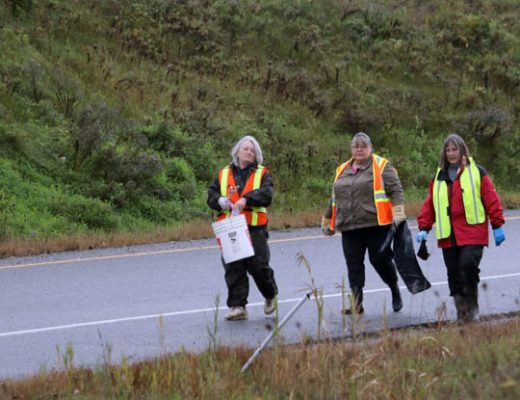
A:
(462, 264)
(355, 244)
(257, 266)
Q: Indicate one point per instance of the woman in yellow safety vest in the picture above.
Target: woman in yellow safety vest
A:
(245, 187)
(461, 202)
(367, 198)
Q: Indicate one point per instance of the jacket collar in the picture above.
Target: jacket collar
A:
(444, 176)
(363, 166)
(250, 167)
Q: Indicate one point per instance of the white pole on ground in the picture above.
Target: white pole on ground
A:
(271, 335)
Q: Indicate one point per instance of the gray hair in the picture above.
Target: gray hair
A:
(361, 137)
(459, 143)
(258, 151)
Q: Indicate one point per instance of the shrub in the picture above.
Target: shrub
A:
(180, 178)
(95, 214)
(156, 211)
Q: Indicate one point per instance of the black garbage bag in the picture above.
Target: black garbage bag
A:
(405, 259)
(423, 253)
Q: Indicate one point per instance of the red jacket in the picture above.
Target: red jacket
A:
(464, 234)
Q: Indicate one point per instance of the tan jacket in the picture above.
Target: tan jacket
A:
(354, 193)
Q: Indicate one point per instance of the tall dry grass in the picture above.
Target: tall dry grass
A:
(445, 361)
(199, 229)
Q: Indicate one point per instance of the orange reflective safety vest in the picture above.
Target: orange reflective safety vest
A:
(382, 202)
(255, 216)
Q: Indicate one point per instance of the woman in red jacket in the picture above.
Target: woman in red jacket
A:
(461, 202)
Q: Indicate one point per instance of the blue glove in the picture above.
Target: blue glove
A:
(421, 236)
(499, 235)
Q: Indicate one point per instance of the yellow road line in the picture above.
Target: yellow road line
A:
(157, 252)
(141, 254)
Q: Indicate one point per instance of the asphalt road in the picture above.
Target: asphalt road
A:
(94, 307)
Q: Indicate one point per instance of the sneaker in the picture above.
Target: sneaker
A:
(269, 306)
(237, 314)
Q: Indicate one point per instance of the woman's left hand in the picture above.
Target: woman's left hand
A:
(499, 235)
(239, 206)
(398, 214)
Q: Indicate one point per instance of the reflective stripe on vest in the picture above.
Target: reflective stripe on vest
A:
(440, 205)
(254, 215)
(473, 207)
(470, 184)
(339, 171)
(381, 201)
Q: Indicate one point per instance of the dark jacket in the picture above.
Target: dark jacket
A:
(462, 233)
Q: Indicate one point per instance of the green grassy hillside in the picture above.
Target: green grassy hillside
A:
(116, 114)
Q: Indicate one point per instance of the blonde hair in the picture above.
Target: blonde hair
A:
(258, 151)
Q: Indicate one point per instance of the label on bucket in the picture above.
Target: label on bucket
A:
(233, 238)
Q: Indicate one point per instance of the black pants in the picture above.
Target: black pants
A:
(355, 244)
(462, 264)
(257, 266)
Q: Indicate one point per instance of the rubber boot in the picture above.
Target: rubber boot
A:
(461, 307)
(356, 301)
(397, 302)
(472, 304)
(472, 314)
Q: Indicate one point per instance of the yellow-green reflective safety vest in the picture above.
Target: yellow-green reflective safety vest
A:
(473, 207)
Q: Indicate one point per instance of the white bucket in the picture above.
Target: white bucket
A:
(233, 238)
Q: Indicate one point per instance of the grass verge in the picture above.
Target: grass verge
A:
(197, 229)
(475, 360)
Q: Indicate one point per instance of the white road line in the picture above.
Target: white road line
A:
(200, 310)
(158, 252)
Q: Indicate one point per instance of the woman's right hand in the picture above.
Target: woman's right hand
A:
(325, 227)
(224, 203)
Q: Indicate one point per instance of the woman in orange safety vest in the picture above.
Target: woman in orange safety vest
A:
(367, 198)
(245, 187)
